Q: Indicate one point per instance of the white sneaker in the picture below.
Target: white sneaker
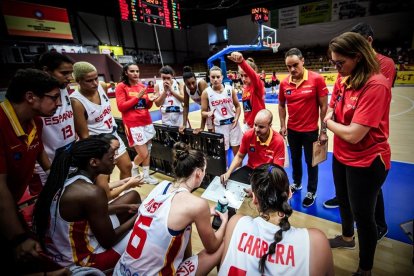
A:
(150, 180)
(135, 172)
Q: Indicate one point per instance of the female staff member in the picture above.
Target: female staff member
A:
(193, 89)
(268, 245)
(160, 243)
(134, 103)
(253, 91)
(358, 115)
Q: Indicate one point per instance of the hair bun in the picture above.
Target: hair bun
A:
(187, 69)
(181, 154)
(250, 59)
(181, 150)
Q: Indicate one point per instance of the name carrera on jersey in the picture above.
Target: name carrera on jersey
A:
(54, 120)
(104, 113)
(254, 246)
(221, 101)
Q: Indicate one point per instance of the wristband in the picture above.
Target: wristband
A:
(18, 239)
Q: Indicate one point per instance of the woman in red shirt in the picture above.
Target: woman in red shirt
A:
(253, 90)
(133, 102)
(358, 115)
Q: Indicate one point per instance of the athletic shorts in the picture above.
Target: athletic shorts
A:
(232, 137)
(122, 148)
(172, 119)
(138, 136)
(188, 267)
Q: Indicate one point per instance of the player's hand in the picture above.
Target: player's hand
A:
(236, 57)
(133, 208)
(283, 131)
(141, 93)
(223, 179)
(134, 181)
(197, 130)
(210, 113)
(223, 216)
(153, 97)
(234, 124)
(167, 85)
(323, 138)
(27, 250)
(181, 129)
(328, 116)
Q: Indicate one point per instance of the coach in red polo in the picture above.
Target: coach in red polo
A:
(304, 96)
(31, 93)
(261, 144)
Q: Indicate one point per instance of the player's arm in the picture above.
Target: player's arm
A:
(282, 112)
(235, 163)
(79, 116)
(237, 107)
(186, 105)
(204, 105)
(159, 98)
(202, 85)
(44, 161)
(179, 95)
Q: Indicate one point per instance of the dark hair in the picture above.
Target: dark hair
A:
(37, 81)
(363, 29)
(352, 45)
(186, 160)
(77, 156)
(124, 78)
(188, 73)
(294, 52)
(106, 137)
(270, 184)
(51, 60)
(167, 70)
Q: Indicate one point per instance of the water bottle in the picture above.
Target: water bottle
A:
(221, 207)
(222, 204)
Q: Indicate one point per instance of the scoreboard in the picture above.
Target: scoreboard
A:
(164, 13)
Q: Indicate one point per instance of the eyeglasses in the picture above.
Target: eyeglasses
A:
(337, 64)
(53, 98)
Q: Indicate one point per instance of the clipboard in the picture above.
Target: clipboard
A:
(319, 153)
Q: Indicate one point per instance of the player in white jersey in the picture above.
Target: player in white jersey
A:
(92, 112)
(193, 88)
(268, 245)
(220, 103)
(59, 130)
(72, 215)
(160, 240)
(169, 98)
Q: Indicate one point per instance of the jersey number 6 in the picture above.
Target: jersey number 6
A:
(138, 237)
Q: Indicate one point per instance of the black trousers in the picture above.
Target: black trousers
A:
(297, 140)
(357, 191)
(242, 175)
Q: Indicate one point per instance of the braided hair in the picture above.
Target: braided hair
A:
(186, 160)
(270, 184)
(78, 156)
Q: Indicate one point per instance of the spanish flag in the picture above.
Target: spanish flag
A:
(28, 19)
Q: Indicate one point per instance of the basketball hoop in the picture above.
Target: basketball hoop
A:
(274, 46)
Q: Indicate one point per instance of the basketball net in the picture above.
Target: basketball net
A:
(273, 46)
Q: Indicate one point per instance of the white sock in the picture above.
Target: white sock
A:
(145, 170)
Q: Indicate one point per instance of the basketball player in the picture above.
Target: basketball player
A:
(160, 243)
(92, 111)
(253, 91)
(193, 88)
(267, 244)
(169, 98)
(72, 215)
(220, 103)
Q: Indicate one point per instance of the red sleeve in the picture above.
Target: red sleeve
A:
(122, 101)
(255, 82)
(335, 92)
(372, 104)
(279, 157)
(322, 90)
(281, 96)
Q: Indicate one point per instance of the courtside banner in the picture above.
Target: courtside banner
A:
(28, 19)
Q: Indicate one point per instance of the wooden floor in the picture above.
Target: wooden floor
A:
(392, 257)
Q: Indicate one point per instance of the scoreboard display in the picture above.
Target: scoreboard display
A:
(164, 13)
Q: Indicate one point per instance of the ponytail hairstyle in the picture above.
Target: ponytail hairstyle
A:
(186, 160)
(270, 184)
(77, 156)
(251, 63)
(124, 78)
(188, 73)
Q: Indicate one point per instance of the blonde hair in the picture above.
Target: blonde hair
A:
(82, 68)
(216, 68)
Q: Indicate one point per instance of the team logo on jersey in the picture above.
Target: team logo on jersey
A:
(17, 156)
(288, 92)
(105, 97)
(252, 149)
(67, 100)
